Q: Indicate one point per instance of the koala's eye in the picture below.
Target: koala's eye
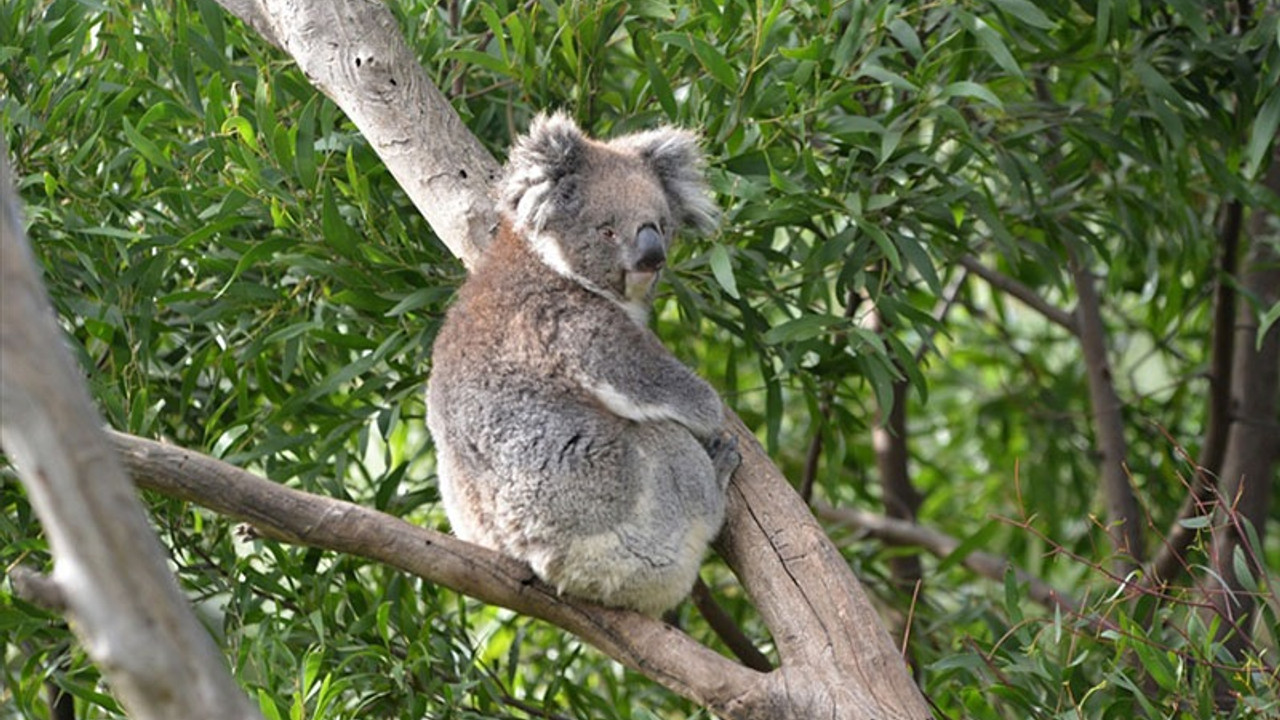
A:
(607, 232)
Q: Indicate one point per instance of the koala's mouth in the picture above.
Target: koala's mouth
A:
(638, 283)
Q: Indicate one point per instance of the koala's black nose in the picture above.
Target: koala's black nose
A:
(650, 254)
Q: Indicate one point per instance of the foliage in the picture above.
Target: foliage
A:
(239, 274)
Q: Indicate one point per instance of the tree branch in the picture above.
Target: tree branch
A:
(279, 513)
(1123, 516)
(1170, 559)
(130, 616)
(727, 630)
(1000, 281)
(354, 52)
(909, 534)
(1253, 440)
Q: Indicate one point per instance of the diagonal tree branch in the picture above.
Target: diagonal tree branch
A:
(354, 52)
(1029, 297)
(279, 513)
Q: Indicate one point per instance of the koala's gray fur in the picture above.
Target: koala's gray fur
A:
(566, 435)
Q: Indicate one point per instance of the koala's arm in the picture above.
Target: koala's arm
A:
(629, 372)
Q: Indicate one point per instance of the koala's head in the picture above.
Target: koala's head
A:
(603, 213)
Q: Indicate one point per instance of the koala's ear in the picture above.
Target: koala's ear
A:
(540, 174)
(677, 160)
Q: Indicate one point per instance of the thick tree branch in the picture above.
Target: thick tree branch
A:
(1000, 281)
(279, 513)
(130, 616)
(354, 52)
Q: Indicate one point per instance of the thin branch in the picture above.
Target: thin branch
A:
(1124, 520)
(889, 441)
(1029, 297)
(1170, 559)
(813, 455)
(903, 533)
(727, 630)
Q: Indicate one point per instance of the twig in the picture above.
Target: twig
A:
(727, 630)
(1029, 297)
(909, 534)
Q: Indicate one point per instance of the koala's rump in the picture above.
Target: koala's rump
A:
(600, 506)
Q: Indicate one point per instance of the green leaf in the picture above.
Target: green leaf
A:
(714, 62)
(1026, 12)
(1264, 325)
(241, 126)
(979, 539)
(1262, 135)
(993, 44)
(146, 147)
(722, 269)
(966, 88)
(801, 328)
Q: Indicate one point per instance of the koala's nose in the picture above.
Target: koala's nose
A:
(650, 254)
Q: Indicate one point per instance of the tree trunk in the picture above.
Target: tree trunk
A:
(1253, 438)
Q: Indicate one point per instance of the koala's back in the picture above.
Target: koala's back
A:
(533, 465)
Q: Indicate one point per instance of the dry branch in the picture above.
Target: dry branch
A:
(110, 572)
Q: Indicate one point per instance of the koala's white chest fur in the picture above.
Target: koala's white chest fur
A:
(566, 435)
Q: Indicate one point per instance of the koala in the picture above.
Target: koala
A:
(566, 435)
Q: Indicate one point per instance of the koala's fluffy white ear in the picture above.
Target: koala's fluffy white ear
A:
(677, 160)
(540, 169)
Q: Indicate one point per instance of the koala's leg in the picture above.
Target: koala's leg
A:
(725, 458)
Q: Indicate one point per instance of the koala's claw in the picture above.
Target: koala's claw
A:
(723, 449)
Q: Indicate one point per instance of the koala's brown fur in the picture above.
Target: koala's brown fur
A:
(566, 435)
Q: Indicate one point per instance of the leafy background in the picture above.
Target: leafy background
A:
(238, 274)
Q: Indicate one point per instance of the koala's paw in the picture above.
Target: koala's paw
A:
(723, 449)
